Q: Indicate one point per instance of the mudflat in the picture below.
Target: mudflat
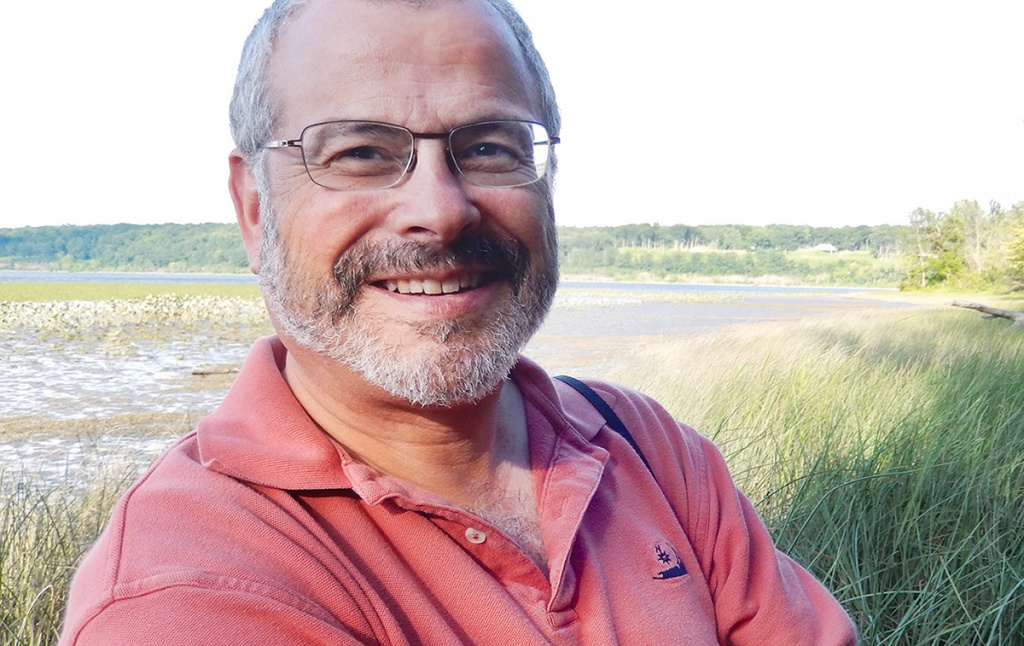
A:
(129, 377)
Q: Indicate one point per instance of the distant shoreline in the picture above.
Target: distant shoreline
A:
(62, 276)
(568, 280)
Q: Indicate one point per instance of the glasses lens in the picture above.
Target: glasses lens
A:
(356, 155)
(500, 153)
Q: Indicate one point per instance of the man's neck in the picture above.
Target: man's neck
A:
(455, 452)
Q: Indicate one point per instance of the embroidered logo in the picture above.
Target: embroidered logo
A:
(669, 557)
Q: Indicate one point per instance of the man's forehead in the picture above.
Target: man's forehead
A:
(332, 46)
(365, 22)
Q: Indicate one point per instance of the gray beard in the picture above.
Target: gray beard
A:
(458, 369)
(463, 361)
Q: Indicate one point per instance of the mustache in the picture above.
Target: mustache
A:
(504, 256)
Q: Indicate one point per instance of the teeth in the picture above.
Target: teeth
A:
(432, 286)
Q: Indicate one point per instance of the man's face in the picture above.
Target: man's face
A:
(353, 275)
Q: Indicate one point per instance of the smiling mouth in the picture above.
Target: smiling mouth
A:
(433, 286)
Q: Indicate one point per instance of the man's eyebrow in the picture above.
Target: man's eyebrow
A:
(486, 125)
(359, 126)
(323, 132)
(372, 127)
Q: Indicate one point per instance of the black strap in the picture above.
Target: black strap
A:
(610, 417)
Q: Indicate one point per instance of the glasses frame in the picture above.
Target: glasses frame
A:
(411, 162)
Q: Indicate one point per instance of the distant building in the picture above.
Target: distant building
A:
(829, 248)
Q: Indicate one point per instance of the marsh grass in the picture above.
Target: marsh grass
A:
(45, 528)
(885, 453)
(144, 424)
(72, 317)
(49, 517)
(57, 291)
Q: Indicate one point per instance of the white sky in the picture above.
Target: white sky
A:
(820, 112)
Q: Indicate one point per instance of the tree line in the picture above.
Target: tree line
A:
(966, 247)
(627, 251)
(125, 247)
(881, 240)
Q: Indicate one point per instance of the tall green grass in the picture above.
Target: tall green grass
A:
(886, 453)
(45, 528)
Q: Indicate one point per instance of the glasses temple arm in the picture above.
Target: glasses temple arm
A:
(283, 143)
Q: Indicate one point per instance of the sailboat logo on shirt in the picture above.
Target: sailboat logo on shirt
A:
(669, 557)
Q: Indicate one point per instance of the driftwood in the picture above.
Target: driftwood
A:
(219, 371)
(993, 313)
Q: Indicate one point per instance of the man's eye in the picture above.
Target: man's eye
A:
(368, 153)
(488, 150)
(363, 161)
(488, 157)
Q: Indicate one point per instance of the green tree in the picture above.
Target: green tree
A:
(976, 234)
(1015, 246)
(934, 248)
(1016, 259)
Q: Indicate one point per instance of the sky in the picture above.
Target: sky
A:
(825, 113)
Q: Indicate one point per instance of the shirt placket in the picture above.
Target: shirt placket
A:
(550, 607)
(572, 480)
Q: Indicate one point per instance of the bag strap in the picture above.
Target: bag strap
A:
(610, 417)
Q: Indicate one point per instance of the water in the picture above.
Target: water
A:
(59, 386)
(685, 288)
(90, 378)
(106, 373)
(75, 459)
(89, 393)
(25, 276)
(53, 379)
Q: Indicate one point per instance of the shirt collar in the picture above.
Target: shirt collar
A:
(261, 433)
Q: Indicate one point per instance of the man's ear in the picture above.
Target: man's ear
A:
(242, 186)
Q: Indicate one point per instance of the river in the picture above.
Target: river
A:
(65, 382)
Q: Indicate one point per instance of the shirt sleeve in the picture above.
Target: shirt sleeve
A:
(761, 596)
(190, 616)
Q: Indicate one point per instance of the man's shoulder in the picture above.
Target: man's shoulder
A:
(185, 538)
(652, 424)
(183, 525)
(529, 372)
(177, 502)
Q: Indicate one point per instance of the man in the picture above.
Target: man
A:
(387, 469)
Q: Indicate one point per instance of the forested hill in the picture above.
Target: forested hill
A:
(125, 247)
(879, 240)
(218, 247)
(966, 247)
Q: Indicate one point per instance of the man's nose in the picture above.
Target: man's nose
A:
(435, 205)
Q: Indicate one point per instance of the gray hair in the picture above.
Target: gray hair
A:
(254, 111)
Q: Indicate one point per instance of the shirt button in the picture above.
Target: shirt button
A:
(475, 536)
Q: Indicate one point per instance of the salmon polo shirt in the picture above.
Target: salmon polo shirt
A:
(259, 529)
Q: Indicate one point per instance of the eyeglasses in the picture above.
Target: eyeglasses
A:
(367, 155)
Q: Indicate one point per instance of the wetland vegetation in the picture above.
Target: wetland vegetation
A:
(885, 452)
(883, 446)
